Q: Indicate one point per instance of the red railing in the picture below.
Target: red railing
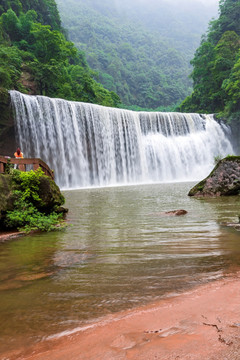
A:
(21, 164)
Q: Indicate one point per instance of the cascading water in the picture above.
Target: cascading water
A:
(92, 145)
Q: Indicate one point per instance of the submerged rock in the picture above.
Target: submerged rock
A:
(171, 213)
(236, 226)
(224, 180)
(176, 212)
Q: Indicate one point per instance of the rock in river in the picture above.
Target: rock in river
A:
(222, 181)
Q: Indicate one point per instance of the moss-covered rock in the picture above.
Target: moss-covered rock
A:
(224, 180)
(49, 194)
(6, 196)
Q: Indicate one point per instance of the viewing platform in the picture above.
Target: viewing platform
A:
(25, 164)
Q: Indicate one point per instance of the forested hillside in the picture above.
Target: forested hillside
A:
(216, 66)
(46, 10)
(141, 49)
(35, 56)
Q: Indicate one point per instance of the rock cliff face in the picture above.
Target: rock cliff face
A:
(223, 180)
(7, 133)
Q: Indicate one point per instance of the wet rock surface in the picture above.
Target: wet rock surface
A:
(176, 212)
(7, 130)
(224, 180)
(235, 226)
(170, 213)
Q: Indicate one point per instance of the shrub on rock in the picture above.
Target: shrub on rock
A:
(30, 201)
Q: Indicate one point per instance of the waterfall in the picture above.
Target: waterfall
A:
(92, 145)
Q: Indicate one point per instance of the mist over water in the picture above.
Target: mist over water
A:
(91, 145)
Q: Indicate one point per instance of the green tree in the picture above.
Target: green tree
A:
(10, 69)
(10, 25)
(143, 61)
(225, 56)
(50, 44)
(228, 20)
(215, 64)
(56, 66)
(232, 88)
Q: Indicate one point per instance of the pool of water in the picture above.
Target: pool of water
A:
(119, 252)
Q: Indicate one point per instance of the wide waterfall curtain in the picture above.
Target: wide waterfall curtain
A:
(92, 145)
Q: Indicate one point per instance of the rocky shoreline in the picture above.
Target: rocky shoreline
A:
(10, 235)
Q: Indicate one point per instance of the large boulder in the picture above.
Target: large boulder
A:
(49, 193)
(224, 180)
(6, 196)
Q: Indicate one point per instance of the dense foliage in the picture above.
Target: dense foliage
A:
(216, 66)
(26, 215)
(141, 50)
(46, 10)
(35, 56)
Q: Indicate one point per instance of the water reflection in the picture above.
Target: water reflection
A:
(118, 253)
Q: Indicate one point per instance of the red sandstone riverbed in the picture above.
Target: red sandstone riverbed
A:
(203, 323)
(9, 235)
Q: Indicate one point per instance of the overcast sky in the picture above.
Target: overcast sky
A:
(208, 1)
(205, 2)
(177, 3)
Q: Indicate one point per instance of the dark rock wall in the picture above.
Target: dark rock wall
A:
(7, 132)
(235, 127)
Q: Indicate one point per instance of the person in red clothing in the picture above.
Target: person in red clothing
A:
(18, 153)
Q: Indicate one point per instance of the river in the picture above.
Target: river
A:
(119, 252)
